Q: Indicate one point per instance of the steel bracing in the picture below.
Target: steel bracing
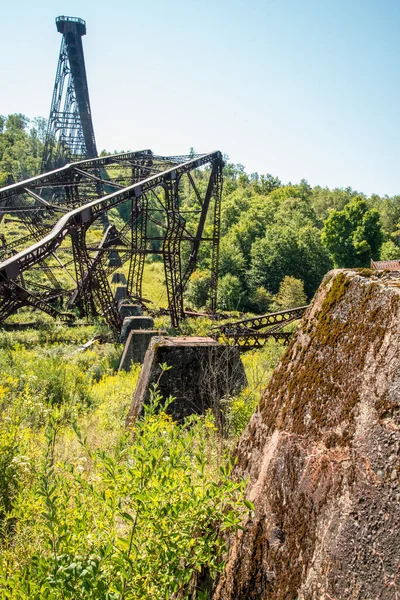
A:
(254, 332)
(171, 208)
(70, 133)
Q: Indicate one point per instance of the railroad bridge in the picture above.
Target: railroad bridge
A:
(68, 244)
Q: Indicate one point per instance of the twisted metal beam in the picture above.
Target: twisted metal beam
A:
(68, 186)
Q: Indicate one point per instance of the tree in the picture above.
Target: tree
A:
(324, 200)
(353, 235)
(198, 288)
(389, 251)
(267, 183)
(231, 259)
(261, 301)
(291, 293)
(20, 149)
(273, 257)
(230, 293)
(287, 250)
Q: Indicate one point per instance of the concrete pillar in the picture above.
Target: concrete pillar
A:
(127, 309)
(118, 278)
(120, 293)
(130, 323)
(136, 347)
(202, 373)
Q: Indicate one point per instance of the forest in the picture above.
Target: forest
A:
(90, 510)
(277, 240)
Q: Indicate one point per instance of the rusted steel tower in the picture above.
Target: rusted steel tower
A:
(70, 133)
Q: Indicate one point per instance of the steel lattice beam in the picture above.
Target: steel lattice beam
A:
(254, 332)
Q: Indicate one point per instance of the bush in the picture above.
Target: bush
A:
(230, 293)
(261, 301)
(389, 251)
(291, 293)
(198, 289)
(139, 521)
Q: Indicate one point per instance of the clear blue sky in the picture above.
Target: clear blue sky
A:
(297, 88)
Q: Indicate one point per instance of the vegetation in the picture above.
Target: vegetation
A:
(21, 147)
(91, 510)
(269, 230)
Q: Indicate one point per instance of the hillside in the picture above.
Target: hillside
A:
(89, 509)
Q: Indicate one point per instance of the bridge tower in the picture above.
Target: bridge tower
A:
(70, 134)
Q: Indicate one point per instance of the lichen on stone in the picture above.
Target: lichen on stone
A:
(322, 453)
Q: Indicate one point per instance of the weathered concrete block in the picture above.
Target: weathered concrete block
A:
(136, 347)
(120, 293)
(202, 373)
(130, 323)
(118, 278)
(127, 309)
(114, 259)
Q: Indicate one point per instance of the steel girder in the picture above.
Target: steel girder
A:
(157, 223)
(254, 332)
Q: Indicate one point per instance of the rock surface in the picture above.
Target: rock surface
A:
(322, 455)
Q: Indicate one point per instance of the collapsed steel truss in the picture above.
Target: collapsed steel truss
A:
(70, 133)
(65, 213)
(254, 332)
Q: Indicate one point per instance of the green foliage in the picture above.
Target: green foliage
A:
(198, 289)
(389, 251)
(261, 300)
(324, 200)
(289, 251)
(136, 522)
(89, 509)
(231, 259)
(389, 209)
(353, 236)
(230, 292)
(13, 465)
(20, 148)
(266, 237)
(291, 293)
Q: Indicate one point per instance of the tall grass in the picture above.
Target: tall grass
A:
(89, 509)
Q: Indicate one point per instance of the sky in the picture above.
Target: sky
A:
(302, 89)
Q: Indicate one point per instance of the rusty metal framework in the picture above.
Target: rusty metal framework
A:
(171, 208)
(254, 332)
(70, 133)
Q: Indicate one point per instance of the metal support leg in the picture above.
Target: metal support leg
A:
(172, 252)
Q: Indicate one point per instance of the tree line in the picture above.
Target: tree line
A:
(277, 240)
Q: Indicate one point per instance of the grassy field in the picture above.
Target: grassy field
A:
(91, 510)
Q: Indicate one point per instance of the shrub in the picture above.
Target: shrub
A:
(139, 521)
(230, 292)
(291, 293)
(261, 300)
(198, 289)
